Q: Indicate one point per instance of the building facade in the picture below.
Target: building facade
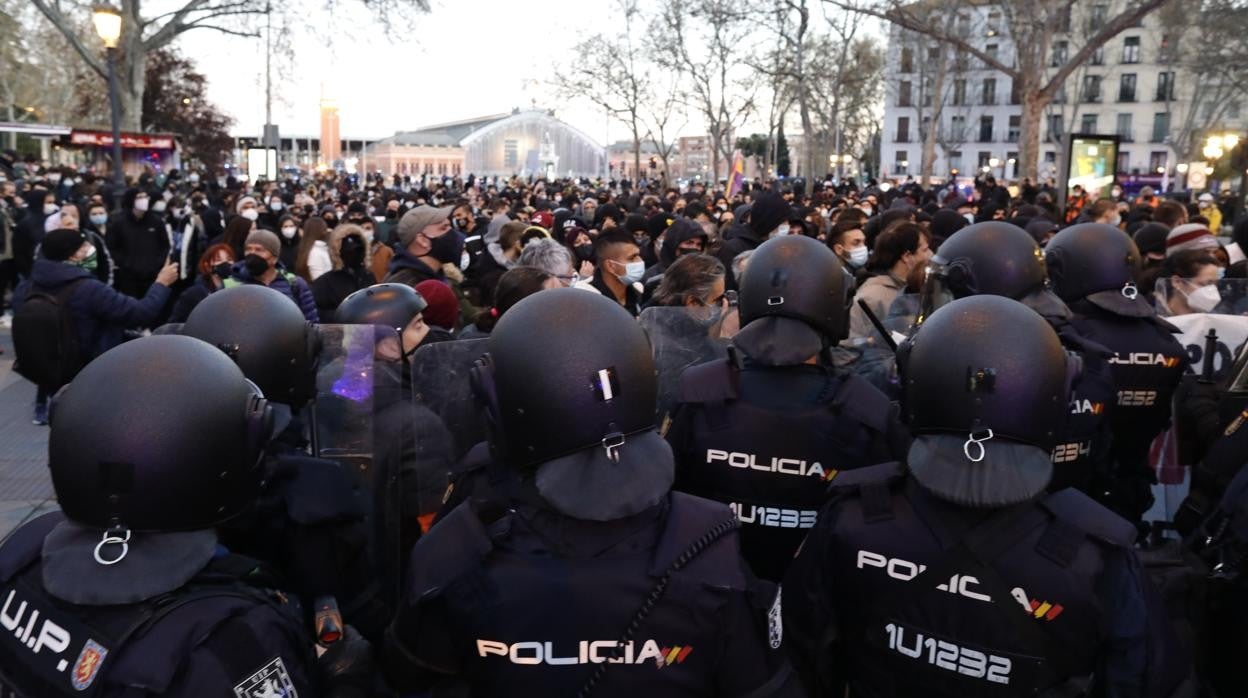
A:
(1132, 87)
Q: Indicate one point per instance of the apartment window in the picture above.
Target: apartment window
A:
(927, 92)
(511, 154)
(1016, 93)
(984, 157)
(1126, 88)
(1059, 97)
(1165, 49)
(994, 23)
(1063, 19)
(985, 129)
(1165, 87)
(903, 94)
(1091, 88)
(961, 60)
(957, 128)
(907, 60)
(1055, 127)
(964, 25)
(1087, 123)
(959, 93)
(933, 54)
(1131, 49)
(988, 94)
(1124, 128)
(903, 129)
(901, 163)
(955, 160)
(1096, 18)
(1124, 162)
(1011, 159)
(1014, 129)
(1161, 127)
(1058, 54)
(924, 126)
(1098, 56)
(1157, 161)
(992, 51)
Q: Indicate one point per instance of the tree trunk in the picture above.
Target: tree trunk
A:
(636, 155)
(933, 123)
(716, 140)
(1030, 133)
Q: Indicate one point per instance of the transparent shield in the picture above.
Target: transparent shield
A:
(358, 420)
(1220, 308)
(1175, 297)
(442, 386)
(680, 338)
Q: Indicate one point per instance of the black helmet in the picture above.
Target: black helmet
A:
(985, 392)
(992, 258)
(800, 278)
(569, 384)
(386, 305)
(158, 434)
(266, 335)
(1098, 262)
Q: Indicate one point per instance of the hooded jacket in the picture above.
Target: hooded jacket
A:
(100, 314)
(333, 286)
(29, 231)
(140, 246)
(285, 283)
(408, 269)
(681, 230)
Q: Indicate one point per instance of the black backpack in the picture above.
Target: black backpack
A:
(44, 338)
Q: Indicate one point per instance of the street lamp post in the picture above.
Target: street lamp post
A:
(108, 25)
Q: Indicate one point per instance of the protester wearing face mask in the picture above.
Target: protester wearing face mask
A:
(349, 251)
(850, 244)
(898, 250)
(69, 217)
(1105, 211)
(100, 314)
(248, 208)
(275, 208)
(140, 243)
(290, 236)
(768, 212)
(212, 270)
(261, 265)
(1193, 282)
(682, 237)
(618, 269)
(186, 239)
(416, 257)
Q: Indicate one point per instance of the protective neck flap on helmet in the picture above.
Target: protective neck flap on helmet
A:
(979, 470)
(778, 341)
(604, 483)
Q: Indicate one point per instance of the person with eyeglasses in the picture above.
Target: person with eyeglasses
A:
(552, 258)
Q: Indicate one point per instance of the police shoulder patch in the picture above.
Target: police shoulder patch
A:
(269, 681)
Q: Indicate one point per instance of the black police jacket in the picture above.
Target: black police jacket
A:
(1082, 456)
(766, 441)
(223, 633)
(526, 602)
(896, 593)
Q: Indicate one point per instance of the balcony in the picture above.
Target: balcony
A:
(1126, 136)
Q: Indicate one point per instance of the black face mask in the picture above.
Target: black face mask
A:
(447, 248)
(352, 252)
(255, 265)
(222, 270)
(331, 221)
(584, 253)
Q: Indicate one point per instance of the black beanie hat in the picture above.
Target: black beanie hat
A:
(59, 245)
(768, 212)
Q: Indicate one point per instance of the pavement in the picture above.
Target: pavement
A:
(25, 485)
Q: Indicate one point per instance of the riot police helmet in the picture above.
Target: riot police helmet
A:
(986, 387)
(390, 305)
(991, 258)
(1097, 262)
(794, 294)
(159, 434)
(265, 333)
(570, 391)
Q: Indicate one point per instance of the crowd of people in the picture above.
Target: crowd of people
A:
(684, 440)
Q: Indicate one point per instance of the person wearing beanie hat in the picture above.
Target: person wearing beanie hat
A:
(1151, 239)
(247, 207)
(1190, 236)
(100, 314)
(945, 223)
(261, 265)
(766, 214)
(442, 313)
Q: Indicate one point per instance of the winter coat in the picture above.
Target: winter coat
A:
(100, 314)
(737, 239)
(408, 269)
(332, 287)
(140, 246)
(286, 283)
(319, 261)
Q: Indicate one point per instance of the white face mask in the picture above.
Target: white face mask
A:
(54, 178)
(193, 178)
(167, 195)
(780, 231)
(633, 271)
(288, 231)
(250, 214)
(49, 209)
(368, 234)
(970, 217)
(1204, 299)
(275, 205)
(141, 204)
(159, 207)
(858, 256)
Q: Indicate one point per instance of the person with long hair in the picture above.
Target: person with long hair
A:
(313, 257)
(513, 286)
(211, 272)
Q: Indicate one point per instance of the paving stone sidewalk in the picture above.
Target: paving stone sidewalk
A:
(25, 487)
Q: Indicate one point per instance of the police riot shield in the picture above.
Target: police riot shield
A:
(441, 384)
(680, 338)
(358, 421)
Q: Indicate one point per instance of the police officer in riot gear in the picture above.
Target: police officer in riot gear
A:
(129, 591)
(311, 518)
(585, 575)
(766, 435)
(1092, 267)
(954, 575)
(1000, 259)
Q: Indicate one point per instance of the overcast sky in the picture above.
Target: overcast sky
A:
(465, 59)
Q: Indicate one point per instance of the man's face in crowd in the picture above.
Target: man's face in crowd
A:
(850, 241)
